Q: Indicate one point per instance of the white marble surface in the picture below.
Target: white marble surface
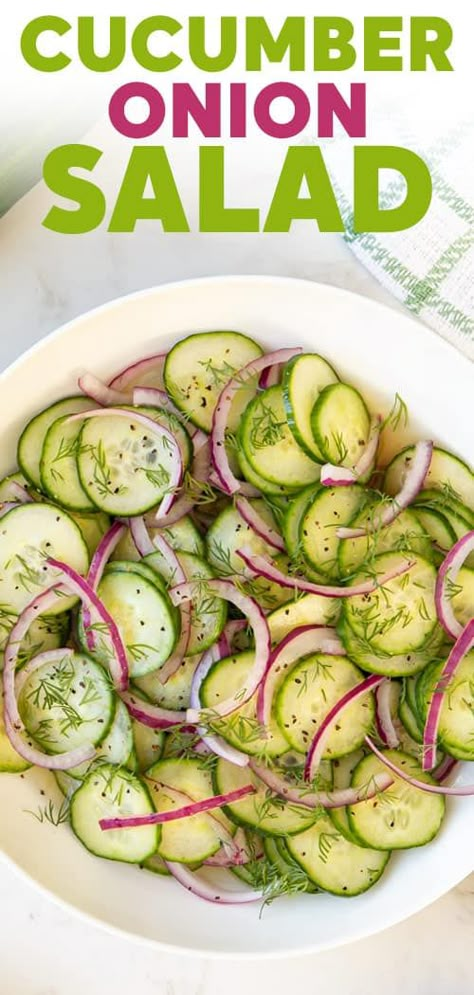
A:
(44, 281)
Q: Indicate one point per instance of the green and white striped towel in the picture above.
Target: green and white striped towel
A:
(429, 268)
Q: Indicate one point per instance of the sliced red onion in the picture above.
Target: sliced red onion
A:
(237, 858)
(210, 892)
(118, 664)
(14, 725)
(98, 391)
(182, 504)
(341, 476)
(195, 808)
(104, 551)
(302, 641)
(413, 484)
(216, 744)
(152, 715)
(270, 377)
(229, 483)
(249, 607)
(447, 575)
(325, 799)
(318, 744)
(155, 398)
(130, 376)
(155, 429)
(258, 524)
(7, 506)
(430, 735)
(141, 536)
(19, 492)
(262, 567)
(444, 770)
(460, 790)
(174, 661)
(383, 714)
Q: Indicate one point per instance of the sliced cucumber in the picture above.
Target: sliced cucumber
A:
(343, 769)
(310, 691)
(381, 662)
(208, 613)
(175, 694)
(400, 617)
(66, 702)
(142, 569)
(10, 760)
(406, 534)
(341, 424)
(198, 368)
(58, 466)
(28, 535)
(107, 793)
(115, 748)
(30, 444)
(156, 865)
(437, 527)
(7, 491)
(197, 837)
(332, 507)
(93, 528)
(311, 609)
(44, 633)
(124, 468)
(241, 727)
(295, 509)
(145, 618)
(447, 473)
(183, 535)
(148, 745)
(270, 447)
(456, 724)
(303, 380)
(267, 487)
(263, 811)
(410, 722)
(334, 863)
(445, 502)
(462, 595)
(402, 816)
(171, 422)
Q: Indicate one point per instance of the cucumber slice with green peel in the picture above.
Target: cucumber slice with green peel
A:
(197, 837)
(343, 769)
(304, 378)
(145, 619)
(141, 568)
(58, 466)
(401, 817)
(148, 745)
(437, 527)
(29, 534)
(66, 702)
(405, 534)
(170, 421)
(456, 723)
(447, 473)
(263, 811)
(445, 502)
(391, 665)
(410, 722)
(175, 694)
(293, 515)
(400, 617)
(156, 865)
(461, 594)
(284, 871)
(197, 369)
(115, 749)
(267, 487)
(44, 633)
(10, 760)
(183, 536)
(208, 613)
(124, 468)
(107, 793)
(270, 447)
(30, 443)
(93, 528)
(340, 423)
(7, 492)
(311, 609)
(334, 863)
(331, 508)
(241, 728)
(307, 695)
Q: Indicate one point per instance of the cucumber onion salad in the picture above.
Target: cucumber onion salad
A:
(239, 642)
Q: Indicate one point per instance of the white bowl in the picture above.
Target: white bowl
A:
(383, 352)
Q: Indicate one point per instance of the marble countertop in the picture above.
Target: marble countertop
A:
(45, 280)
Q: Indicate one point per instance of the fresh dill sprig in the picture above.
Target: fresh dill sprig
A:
(51, 813)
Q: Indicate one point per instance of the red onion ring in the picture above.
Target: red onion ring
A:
(303, 640)
(182, 504)
(155, 398)
(143, 367)
(174, 661)
(318, 744)
(430, 735)
(258, 524)
(249, 607)
(229, 483)
(270, 377)
(215, 743)
(434, 789)
(341, 476)
(383, 713)
(239, 857)
(261, 567)
(445, 769)
(327, 799)
(195, 808)
(98, 391)
(150, 715)
(414, 481)
(209, 892)
(99, 561)
(19, 492)
(447, 574)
